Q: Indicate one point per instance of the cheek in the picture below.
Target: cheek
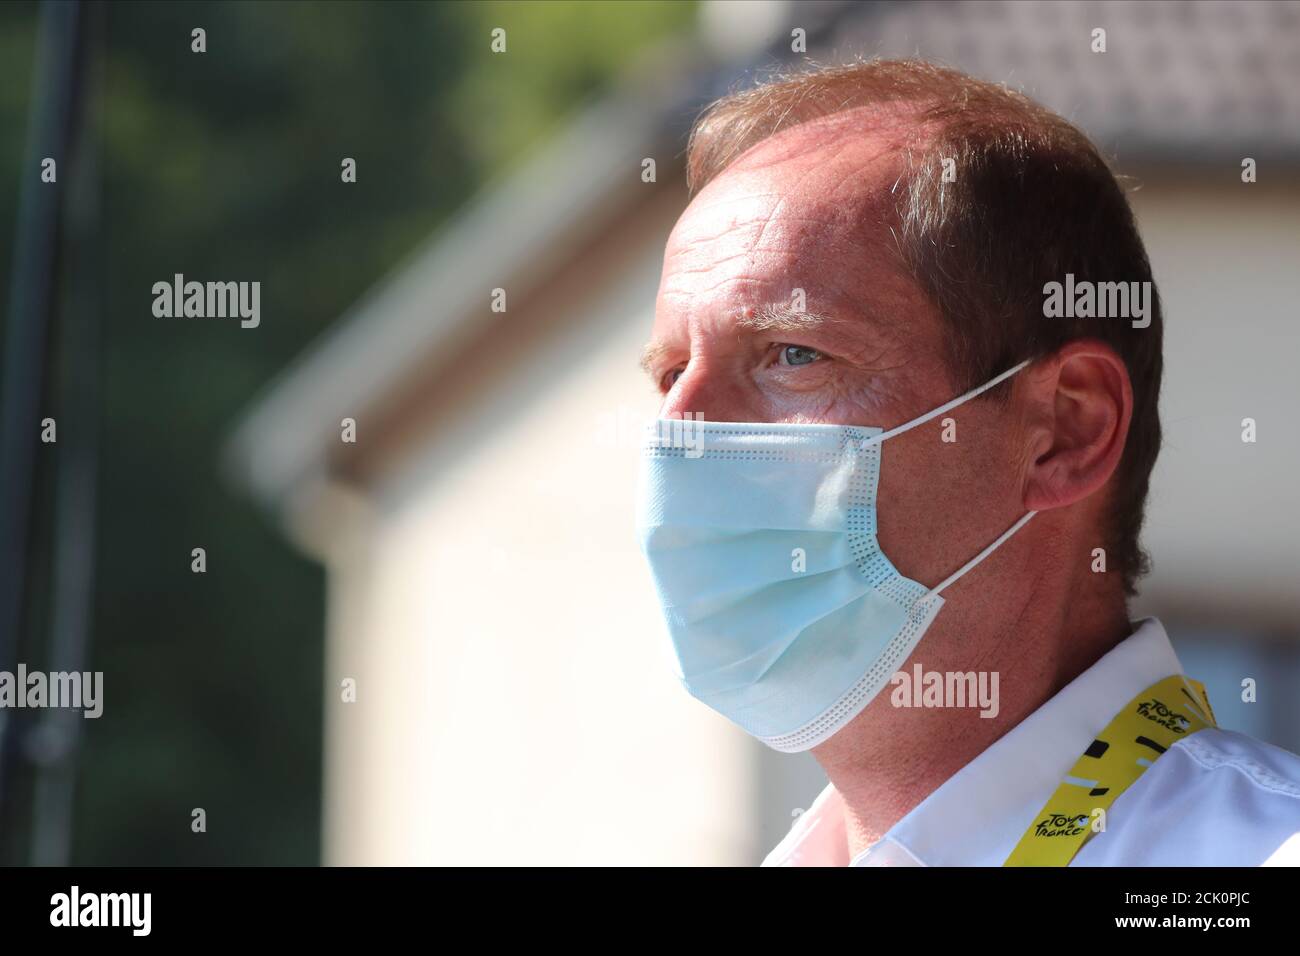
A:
(832, 395)
(798, 395)
(941, 503)
(910, 503)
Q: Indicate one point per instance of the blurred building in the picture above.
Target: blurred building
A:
(514, 701)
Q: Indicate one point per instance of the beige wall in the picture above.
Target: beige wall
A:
(1224, 516)
(515, 702)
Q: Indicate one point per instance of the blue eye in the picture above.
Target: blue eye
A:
(798, 355)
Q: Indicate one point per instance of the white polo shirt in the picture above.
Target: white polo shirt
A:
(1215, 797)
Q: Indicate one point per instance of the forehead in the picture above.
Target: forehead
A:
(811, 208)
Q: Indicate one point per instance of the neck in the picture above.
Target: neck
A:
(890, 758)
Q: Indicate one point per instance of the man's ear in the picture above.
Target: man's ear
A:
(1082, 403)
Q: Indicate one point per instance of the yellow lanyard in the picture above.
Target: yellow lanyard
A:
(1150, 724)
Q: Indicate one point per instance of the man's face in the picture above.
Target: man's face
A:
(808, 210)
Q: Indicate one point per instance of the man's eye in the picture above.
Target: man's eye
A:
(798, 355)
(671, 378)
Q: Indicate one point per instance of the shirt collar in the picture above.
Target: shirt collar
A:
(979, 814)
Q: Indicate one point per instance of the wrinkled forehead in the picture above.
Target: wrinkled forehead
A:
(806, 218)
(834, 179)
(813, 208)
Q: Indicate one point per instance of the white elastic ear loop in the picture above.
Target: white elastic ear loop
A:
(983, 554)
(946, 406)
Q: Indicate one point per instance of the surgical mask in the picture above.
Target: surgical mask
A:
(785, 615)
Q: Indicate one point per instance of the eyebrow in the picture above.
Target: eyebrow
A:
(651, 355)
(775, 317)
(770, 317)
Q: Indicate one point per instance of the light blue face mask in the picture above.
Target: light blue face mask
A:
(785, 615)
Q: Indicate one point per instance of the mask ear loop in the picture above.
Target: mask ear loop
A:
(935, 413)
(946, 406)
(1024, 520)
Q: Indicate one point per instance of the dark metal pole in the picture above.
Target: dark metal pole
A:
(32, 293)
(54, 744)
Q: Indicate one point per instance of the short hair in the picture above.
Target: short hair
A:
(1032, 200)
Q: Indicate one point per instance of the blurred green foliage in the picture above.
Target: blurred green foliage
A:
(222, 166)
